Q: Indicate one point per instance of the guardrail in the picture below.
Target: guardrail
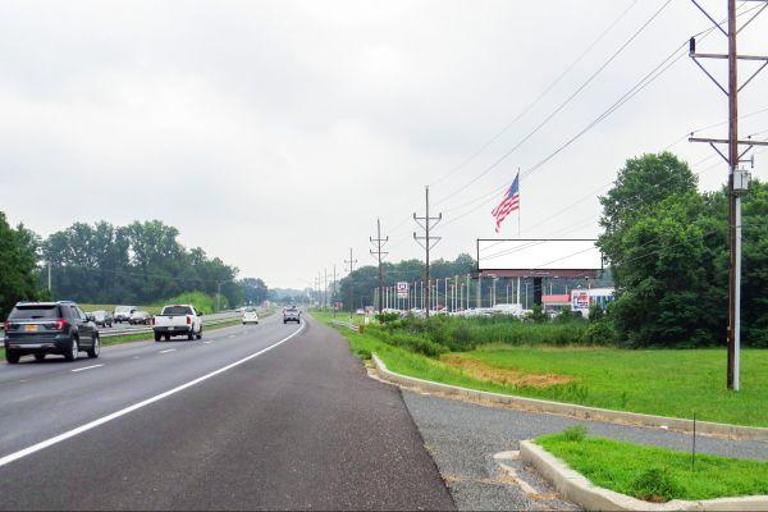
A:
(148, 330)
(348, 325)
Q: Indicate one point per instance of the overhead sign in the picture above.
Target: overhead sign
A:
(402, 290)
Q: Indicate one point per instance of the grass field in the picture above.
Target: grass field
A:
(656, 474)
(664, 382)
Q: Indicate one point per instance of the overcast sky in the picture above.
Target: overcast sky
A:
(273, 133)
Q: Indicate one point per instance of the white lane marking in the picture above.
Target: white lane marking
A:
(167, 350)
(87, 368)
(122, 412)
(207, 342)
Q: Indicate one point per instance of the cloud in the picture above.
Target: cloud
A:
(273, 133)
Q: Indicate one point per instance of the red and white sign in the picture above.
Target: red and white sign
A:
(402, 290)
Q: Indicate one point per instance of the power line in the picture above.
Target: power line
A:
(540, 96)
(562, 105)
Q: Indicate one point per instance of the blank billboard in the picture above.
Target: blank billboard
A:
(529, 254)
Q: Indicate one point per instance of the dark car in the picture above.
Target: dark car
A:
(42, 328)
(291, 314)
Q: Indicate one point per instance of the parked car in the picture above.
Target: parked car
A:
(250, 316)
(291, 314)
(42, 328)
(123, 313)
(140, 317)
(178, 320)
(102, 318)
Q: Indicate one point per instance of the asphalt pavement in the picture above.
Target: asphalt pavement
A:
(260, 417)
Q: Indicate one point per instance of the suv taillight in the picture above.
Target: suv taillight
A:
(60, 325)
(189, 320)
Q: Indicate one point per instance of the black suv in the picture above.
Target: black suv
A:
(41, 328)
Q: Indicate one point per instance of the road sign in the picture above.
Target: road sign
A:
(402, 290)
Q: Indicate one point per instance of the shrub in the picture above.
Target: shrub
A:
(386, 318)
(203, 303)
(596, 313)
(413, 342)
(600, 333)
(537, 315)
(655, 484)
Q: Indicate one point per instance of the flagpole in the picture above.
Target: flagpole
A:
(520, 204)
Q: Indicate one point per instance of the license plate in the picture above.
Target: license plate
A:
(30, 328)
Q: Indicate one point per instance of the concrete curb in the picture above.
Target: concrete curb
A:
(576, 411)
(577, 488)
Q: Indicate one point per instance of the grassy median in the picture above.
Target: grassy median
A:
(664, 382)
(656, 474)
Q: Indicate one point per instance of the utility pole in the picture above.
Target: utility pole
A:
(378, 253)
(333, 294)
(325, 288)
(738, 178)
(351, 262)
(427, 241)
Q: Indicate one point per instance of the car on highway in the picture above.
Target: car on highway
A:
(291, 314)
(140, 317)
(123, 313)
(42, 328)
(178, 320)
(102, 318)
(250, 316)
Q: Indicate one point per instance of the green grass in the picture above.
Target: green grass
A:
(657, 474)
(662, 382)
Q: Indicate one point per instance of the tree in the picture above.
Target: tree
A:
(18, 260)
(641, 185)
(674, 272)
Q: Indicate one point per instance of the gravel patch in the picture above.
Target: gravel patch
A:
(463, 438)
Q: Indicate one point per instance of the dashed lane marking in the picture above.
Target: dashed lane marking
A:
(86, 368)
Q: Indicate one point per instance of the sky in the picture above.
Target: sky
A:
(273, 134)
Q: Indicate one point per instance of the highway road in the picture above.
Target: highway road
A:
(258, 417)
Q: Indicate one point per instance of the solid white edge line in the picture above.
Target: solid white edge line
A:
(86, 368)
(122, 412)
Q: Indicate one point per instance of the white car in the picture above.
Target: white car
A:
(250, 316)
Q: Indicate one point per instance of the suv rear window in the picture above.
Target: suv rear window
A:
(35, 312)
(176, 311)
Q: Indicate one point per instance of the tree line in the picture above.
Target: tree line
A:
(140, 263)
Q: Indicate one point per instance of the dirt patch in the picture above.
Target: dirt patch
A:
(485, 372)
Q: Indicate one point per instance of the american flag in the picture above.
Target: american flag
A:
(510, 203)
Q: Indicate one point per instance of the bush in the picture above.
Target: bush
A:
(655, 484)
(600, 333)
(386, 318)
(203, 303)
(596, 313)
(537, 315)
(413, 342)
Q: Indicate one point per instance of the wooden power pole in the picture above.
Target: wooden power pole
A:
(738, 178)
(427, 241)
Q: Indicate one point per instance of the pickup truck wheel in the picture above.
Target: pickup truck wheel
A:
(200, 334)
(158, 336)
(39, 357)
(191, 335)
(12, 357)
(167, 337)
